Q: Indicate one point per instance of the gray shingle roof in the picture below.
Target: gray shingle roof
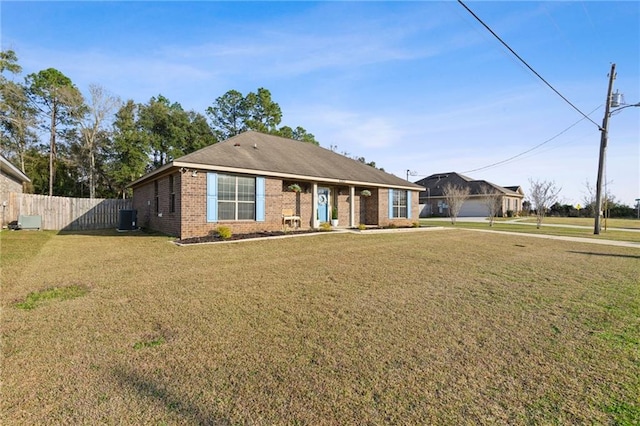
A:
(436, 182)
(259, 153)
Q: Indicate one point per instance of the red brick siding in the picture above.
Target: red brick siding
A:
(194, 206)
(7, 185)
(343, 200)
(144, 202)
(383, 209)
(370, 208)
(190, 216)
(139, 203)
(300, 203)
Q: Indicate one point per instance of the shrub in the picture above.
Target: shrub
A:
(325, 226)
(509, 213)
(224, 232)
(362, 227)
(416, 224)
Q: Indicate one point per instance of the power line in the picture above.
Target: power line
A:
(528, 66)
(523, 152)
(531, 149)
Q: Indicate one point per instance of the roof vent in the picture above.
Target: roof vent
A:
(236, 144)
(255, 146)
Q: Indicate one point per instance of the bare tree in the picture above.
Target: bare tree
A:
(543, 194)
(493, 200)
(589, 198)
(455, 197)
(101, 105)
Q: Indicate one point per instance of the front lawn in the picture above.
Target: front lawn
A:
(428, 327)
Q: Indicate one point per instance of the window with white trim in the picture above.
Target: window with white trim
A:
(399, 204)
(236, 197)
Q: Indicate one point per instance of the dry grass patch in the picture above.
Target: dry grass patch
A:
(413, 328)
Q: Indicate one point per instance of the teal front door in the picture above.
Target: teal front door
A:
(323, 204)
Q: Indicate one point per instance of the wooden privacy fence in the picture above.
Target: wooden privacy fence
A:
(64, 213)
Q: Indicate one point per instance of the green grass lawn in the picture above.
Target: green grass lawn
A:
(427, 327)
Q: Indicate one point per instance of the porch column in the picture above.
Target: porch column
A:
(314, 206)
(352, 206)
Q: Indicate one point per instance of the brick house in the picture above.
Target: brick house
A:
(11, 180)
(433, 202)
(251, 180)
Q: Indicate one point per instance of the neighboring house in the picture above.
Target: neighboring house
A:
(245, 183)
(11, 180)
(433, 202)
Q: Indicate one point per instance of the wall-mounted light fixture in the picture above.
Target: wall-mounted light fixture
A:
(193, 172)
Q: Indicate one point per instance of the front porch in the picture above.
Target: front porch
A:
(341, 205)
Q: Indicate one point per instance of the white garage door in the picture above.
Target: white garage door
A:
(474, 208)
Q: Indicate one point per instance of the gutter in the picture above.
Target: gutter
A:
(180, 164)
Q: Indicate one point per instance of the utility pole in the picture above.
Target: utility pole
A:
(603, 150)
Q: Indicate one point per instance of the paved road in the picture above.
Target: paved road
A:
(520, 222)
(551, 237)
(575, 239)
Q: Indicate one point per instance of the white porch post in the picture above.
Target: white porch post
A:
(314, 206)
(352, 206)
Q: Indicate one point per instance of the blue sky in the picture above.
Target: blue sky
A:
(417, 86)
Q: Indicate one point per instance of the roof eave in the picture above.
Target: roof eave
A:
(290, 176)
(14, 171)
(150, 175)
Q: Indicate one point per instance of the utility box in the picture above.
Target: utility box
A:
(33, 222)
(128, 220)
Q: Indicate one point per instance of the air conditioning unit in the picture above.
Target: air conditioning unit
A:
(128, 220)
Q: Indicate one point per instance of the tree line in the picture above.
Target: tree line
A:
(95, 145)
